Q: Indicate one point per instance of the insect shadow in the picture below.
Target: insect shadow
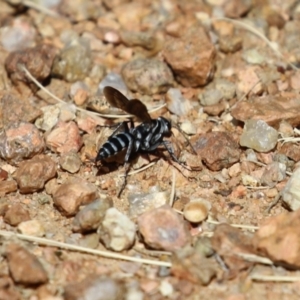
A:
(134, 140)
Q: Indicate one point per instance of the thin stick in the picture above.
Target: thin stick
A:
(255, 258)
(40, 8)
(52, 243)
(91, 113)
(249, 227)
(259, 34)
(259, 277)
(139, 170)
(172, 195)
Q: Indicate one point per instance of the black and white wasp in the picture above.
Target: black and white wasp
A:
(146, 137)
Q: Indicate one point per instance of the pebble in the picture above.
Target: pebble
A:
(64, 138)
(218, 150)
(115, 80)
(188, 127)
(70, 162)
(278, 239)
(95, 288)
(162, 228)
(71, 195)
(14, 110)
(20, 35)
(8, 186)
(258, 135)
(117, 231)
(248, 80)
(273, 173)
(145, 39)
(50, 117)
(31, 227)
(249, 180)
(142, 202)
(291, 150)
(176, 103)
(236, 8)
(230, 43)
(32, 174)
(74, 61)
(166, 288)
(193, 65)
(226, 87)
(253, 56)
(271, 109)
(227, 240)
(16, 214)
(89, 241)
(291, 191)
(147, 76)
(24, 267)
(19, 141)
(90, 217)
(196, 210)
(79, 92)
(38, 61)
(210, 97)
(8, 289)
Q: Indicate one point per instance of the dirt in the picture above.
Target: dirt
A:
(212, 225)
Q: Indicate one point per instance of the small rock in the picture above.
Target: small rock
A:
(74, 62)
(142, 202)
(19, 141)
(236, 8)
(71, 195)
(145, 39)
(20, 35)
(166, 288)
(258, 135)
(291, 191)
(210, 97)
(3, 174)
(90, 217)
(65, 137)
(32, 227)
(249, 180)
(227, 241)
(176, 103)
(7, 289)
(115, 80)
(164, 229)
(89, 241)
(147, 76)
(252, 56)
(192, 65)
(24, 267)
(13, 110)
(196, 210)
(291, 150)
(16, 214)
(79, 92)
(271, 109)
(226, 87)
(117, 231)
(49, 118)
(70, 162)
(95, 288)
(189, 265)
(234, 170)
(230, 43)
(218, 150)
(32, 174)
(248, 80)
(8, 186)
(295, 79)
(38, 61)
(278, 239)
(188, 127)
(273, 173)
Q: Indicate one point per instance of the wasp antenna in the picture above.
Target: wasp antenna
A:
(175, 125)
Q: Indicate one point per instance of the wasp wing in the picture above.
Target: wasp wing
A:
(134, 107)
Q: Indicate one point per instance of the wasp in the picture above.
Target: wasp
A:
(146, 137)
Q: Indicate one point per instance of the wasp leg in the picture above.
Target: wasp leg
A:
(170, 150)
(127, 165)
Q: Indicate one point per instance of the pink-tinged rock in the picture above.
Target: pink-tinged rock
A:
(279, 239)
(16, 214)
(162, 228)
(24, 267)
(8, 186)
(70, 196)
(32, 174)
(271, 109)
(236, 8)
(13, 109)
(64, 138)
(19, 141)
(247, 79)
(217, 150)
(291, 150)
(95, 287)
(191, 56)
(37, 60)
(7, 289)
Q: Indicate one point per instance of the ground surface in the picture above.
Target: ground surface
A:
(216, 65)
